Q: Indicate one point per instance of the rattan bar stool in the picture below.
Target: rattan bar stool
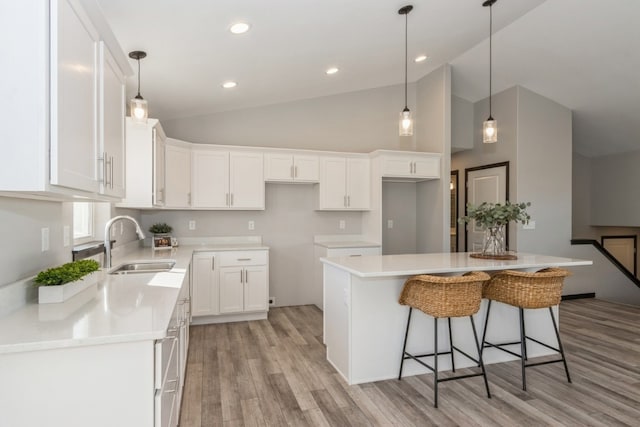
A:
(542, 289)
(444, 297)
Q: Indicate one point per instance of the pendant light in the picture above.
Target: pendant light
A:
(138, 105)
(490, 126)
(406, 121)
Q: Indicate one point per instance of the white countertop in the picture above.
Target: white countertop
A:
(457, 262)
(120, 308)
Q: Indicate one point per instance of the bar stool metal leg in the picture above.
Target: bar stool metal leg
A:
(486, 323)
(555, 328)
(435, 362)
(453, 363)
(524, 332)
(404, 346)
(523, 349)
(484, 373)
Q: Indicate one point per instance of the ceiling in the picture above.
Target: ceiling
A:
(581, 53)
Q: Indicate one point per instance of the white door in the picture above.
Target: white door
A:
(256, 288)
(204, 285)
(484, 185)
(333, 181)
(210, 179)
(623, 249)
(231, 290)
(177, 177)
(427, 167)
(278, 167)
(397, 166)
(74, 148)
(358, 184)
(246, 180)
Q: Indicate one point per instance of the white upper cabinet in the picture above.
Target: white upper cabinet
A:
(344, 184)
(409, 165)
(227, 180)
(145, 181)
(287, 167)
(63, 107)
(177, 175)
(112, 125)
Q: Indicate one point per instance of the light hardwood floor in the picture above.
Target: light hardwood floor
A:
(274, 373)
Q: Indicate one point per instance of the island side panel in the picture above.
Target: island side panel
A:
(336, 318)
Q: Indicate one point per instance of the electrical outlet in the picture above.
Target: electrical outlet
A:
(389, 223)
(66, 240)
(272, 301)
(45, 238)
(192, 225)
(252, 225)
(342, 224)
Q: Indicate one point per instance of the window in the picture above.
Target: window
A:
(83, 222)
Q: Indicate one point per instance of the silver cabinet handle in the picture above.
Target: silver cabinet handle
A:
(295, 172)
(231, 204)
(111, 179)
(356, 255)
(189, 198)
(344, 201)
(226, 199)
(291, 172)
(244, 259)
(213, 263)
(348, 201)
(246, 276)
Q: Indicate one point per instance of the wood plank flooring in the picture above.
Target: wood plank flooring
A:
(274, 373)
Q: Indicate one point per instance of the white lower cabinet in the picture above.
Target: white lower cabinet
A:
(230, 285)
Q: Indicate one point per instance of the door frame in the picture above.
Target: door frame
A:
(466, 195)
(455, 179)
(635, 247)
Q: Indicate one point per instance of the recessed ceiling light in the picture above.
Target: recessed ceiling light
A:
(420, 58)
(332, 70)
(229, 85)
(239, 28)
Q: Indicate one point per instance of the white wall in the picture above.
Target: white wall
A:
(287, 226)
(360, 121)
(399, 205)
(581, 200)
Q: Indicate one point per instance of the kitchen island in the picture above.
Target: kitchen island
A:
(364, 324)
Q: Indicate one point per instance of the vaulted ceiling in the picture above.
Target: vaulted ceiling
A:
(581, 53)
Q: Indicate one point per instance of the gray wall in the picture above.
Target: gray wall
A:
(615, 197)
(461, 124)
(287, 226)
(399, 204)
(581, 200)
(358, 121)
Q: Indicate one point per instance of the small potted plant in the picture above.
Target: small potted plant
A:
(493, 219)
(161, 235)
(60, 283)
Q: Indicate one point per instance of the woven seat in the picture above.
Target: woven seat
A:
(444, 297)
(542, 289)
(527, 290)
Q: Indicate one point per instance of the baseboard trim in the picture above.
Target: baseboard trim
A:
(579, 296)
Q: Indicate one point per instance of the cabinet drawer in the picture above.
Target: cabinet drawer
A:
(234, 258)
(354, 251)
(164, 351)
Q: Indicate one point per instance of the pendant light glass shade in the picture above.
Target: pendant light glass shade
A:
(490, 126)
(405, 124)
(490, 131)
(138, 106)
(139, 109)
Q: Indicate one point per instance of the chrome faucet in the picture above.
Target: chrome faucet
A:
(107, 236)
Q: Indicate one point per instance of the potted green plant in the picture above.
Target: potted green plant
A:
(493, 218)
(60, 283)
(161, 235)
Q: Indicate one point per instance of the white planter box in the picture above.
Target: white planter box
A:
(61, 293)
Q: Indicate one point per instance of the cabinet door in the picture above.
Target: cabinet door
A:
(204, 285)
(210, 179)
(278, 167)
(246, 180)
(428, 167)
(158, 173)
(177, 177)
(73, 149)
(397, 167)
(306, 168)
(358, 184)
(112, 93)
(256, 288)
(231, 290)
(333, 183)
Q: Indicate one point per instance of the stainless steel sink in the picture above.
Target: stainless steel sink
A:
(143, 267)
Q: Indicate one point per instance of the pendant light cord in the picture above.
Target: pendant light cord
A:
(406, 36)
(139, 77)
(490, 55)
